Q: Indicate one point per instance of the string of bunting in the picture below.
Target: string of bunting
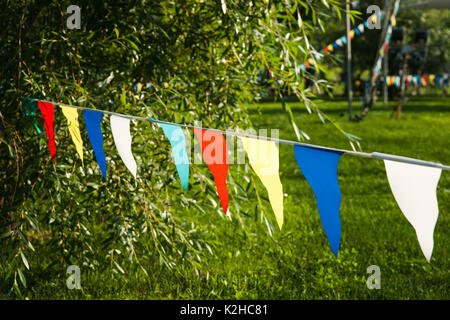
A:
(385, 47)
(412, 181)
(424, 80)
(343, 40)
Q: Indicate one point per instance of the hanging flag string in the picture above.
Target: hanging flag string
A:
(343, 40)
(374, 155)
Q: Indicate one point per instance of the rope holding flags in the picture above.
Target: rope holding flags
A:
(413, 182)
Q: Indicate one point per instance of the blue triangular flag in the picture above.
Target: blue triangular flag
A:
(92, 119)
(178, 143)
(320, 170)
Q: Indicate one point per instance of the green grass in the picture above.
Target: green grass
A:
(297, 263)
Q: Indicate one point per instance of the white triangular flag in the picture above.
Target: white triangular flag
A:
(414, 189)
(361, 28)
(120, 128)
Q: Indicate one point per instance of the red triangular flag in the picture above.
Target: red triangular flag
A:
(215, 153)
(48, 113)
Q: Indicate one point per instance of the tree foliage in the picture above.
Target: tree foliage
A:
(197, 60)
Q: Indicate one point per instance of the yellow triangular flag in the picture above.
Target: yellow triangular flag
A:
(71, 115)
(394, 22)
(431, 78)
(264, 159)
(330, 48)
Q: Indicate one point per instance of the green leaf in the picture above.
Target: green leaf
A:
(22, 278)
(24, 260)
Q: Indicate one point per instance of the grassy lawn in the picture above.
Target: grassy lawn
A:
(296, 262)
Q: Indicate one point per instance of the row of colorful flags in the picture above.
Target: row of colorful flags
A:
(359, 29)
(413, 182)
(423, 80)
(385, 46)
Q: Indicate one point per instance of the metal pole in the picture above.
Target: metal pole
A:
(349, 64)
(385, 67)
(385, 74)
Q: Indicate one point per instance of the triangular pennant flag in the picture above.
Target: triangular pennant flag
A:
(29, 108)
(431, 78)
(361, 27)
(92, 120)
(178, 142)
(320, 170)
(414, 189)
(48, 112)
(339, 42)
(71, 115)
(215, 153)
(264, 158)
(120, 128)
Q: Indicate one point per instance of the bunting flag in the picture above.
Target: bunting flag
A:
(264, 159)
(48, 113)
(92, 120)
(414, 189)
(29, 108)
(178, 142)
(120, 128)
(320, 170)
(215, 153)
(361, 28)
(71, 115)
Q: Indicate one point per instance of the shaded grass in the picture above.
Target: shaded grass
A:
(297, 263)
